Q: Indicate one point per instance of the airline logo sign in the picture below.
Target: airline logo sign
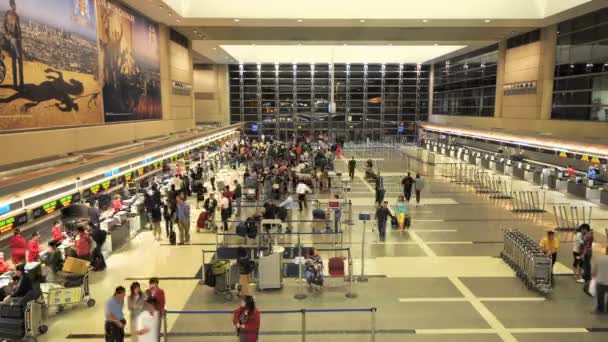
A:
(563, 155)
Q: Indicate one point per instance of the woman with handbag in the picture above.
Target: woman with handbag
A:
(246, 320)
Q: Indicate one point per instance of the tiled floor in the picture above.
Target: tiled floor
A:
(441, 281)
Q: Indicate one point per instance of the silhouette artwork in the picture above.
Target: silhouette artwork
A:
(55, 88)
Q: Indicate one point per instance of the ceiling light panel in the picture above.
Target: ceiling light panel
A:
(381, 9)
(337, 53)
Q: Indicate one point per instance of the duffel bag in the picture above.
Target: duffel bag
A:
(221, 266)
(318, 214)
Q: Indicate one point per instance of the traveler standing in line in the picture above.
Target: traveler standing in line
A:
(168, 217)
(352, 166)
(247, 320)
(302, 189)
(154, 291)
(225, 210)
(600, 274)
(114, 316)
(178, 182)
(135, 304)
(83, 245)
(212, 177)
(245, 268)
(33, 254)
(156, 216)
(53, 262)
(148, 323)
(587, 254)
(238, 195)
(577, 263)
(382, 215)
(18, 247)
(418, 187)
(407, 183)
(97, 259)
(183, 220)
(379, 190)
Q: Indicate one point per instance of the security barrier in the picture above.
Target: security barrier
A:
(527, 259)
(308, 318)
(569, 217)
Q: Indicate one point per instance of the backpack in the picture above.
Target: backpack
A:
(252, 229)
(209, 277)
(242, 229)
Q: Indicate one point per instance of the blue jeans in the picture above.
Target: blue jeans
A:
(310, 276)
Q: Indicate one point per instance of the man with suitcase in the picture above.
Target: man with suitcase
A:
(382, 215)
(352, 165)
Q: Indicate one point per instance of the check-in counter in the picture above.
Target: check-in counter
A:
(485, 162)
(500, 166)
(529, 173)
(537, 177)
(582, 190)
(519, 170)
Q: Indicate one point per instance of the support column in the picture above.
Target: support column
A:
(500, 78)
(544, 85)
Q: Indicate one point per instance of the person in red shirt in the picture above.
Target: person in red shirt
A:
(83, 245)
(117, 203)
(246, 320)
(4, 266)
(56, 232)
(154, 291)
(18, 247)
(570, 171)
(34, 248)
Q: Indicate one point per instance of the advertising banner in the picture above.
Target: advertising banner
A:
(48, 64)
(130, 63)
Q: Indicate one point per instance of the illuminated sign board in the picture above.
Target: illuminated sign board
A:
(140, 172)
(5, 209)
(46, 209)
(68, 200)
(95, 189)
(128, 176)
(13, 222)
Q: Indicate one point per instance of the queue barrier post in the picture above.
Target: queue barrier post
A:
(350, 293)
(373, 324)
(303, 325)
(301, 294)
(164, 323)
(362, 277)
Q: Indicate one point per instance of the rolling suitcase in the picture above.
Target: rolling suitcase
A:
(14, 308)
(336, 266)
(172, 238)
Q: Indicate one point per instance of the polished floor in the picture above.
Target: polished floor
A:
(441, 281)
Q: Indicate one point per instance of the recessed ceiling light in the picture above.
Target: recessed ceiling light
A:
(487, 21)
(237, 20)
(425, 20)
(435, 44)
(345, 44)
(300, 20)
(179, 21)
(362, 20)
(252, 44)
(214, 48)
(170, 14)
(161, 7)
(299, 44)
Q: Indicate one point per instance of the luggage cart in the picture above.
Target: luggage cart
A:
(227, 283)
(528, 261)
(61, 296)
(33, 326)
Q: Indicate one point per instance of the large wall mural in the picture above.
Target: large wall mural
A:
(129, 57)
(49, 64)
(76, 62)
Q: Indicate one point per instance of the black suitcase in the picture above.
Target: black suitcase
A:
(14, 308)
(12, 324)
(241, 229)
(11, 334)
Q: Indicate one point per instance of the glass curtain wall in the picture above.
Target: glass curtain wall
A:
(580, 89)
(374, 100)
(466, 84)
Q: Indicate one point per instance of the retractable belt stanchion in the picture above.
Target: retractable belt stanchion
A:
(363, 217)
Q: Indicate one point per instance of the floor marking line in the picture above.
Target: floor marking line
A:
(425, 248)
(463, 299)
(483, 311)
(366, 183)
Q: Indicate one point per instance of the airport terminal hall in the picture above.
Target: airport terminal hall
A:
(324, 170)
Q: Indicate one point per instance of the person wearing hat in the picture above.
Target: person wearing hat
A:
(34, 248)
(550, 245)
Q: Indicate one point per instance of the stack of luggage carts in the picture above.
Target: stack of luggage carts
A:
(528, 260)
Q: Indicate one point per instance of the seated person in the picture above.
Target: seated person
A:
(314, 268)
(23, 283)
